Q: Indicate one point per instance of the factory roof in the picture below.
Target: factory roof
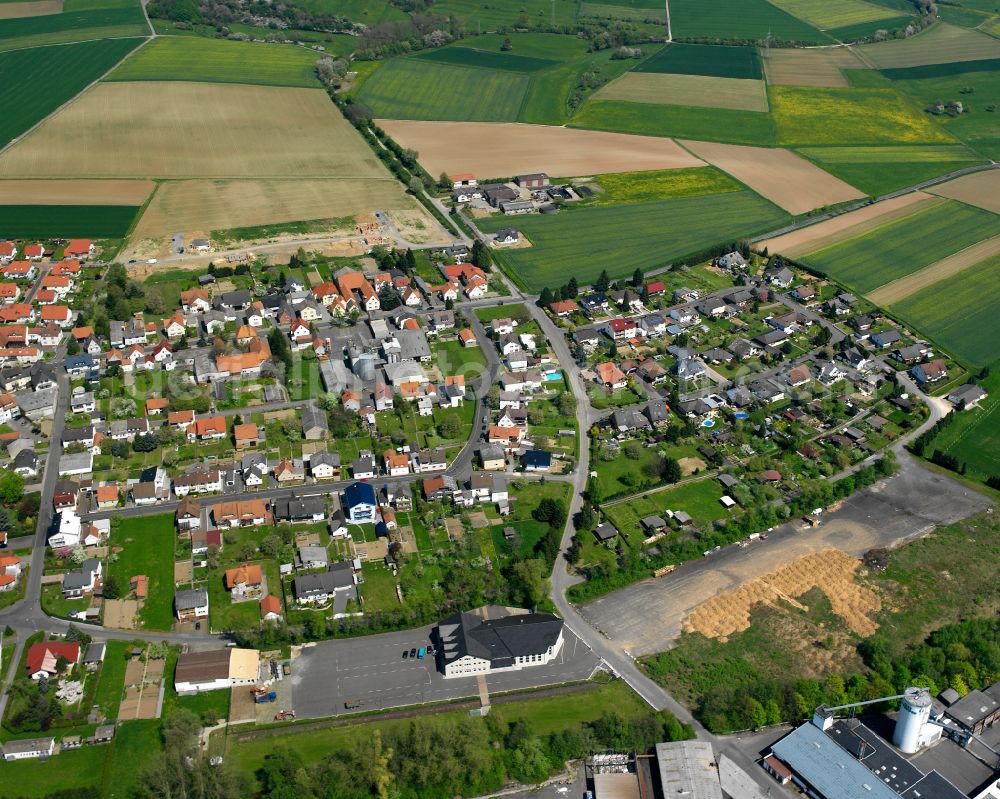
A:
(688, 768)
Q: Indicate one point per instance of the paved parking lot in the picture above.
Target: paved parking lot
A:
(372, 669)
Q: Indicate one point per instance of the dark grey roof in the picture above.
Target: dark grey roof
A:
(972, 708)
(297, 508)
(498, 640)
(338, 575)
(191, 598)
(313, 417)
(605, 531)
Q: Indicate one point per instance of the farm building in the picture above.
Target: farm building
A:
(215, 669)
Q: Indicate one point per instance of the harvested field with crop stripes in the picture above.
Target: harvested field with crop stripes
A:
(940, 44)
(32, 8)
(840, 228)
(899, 290)
(692, 90)
(784, 178)
(502, 150)
(823, 68)
(826, 14)
(75, 192)
(196, 130)
(981, 189)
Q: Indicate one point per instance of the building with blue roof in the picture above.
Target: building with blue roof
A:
(359, 503)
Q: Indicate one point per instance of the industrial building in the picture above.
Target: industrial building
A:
(215, 669)
(932, 747)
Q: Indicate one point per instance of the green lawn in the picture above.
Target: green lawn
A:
(904, 246)
(148, 548)
(974, 435)
(221, 61)
(453, 358)
(962, 315)
(585, 241)
(515, 310)
(56, 605)
(48, 77)
(136, 742)
(412, 88)
(228, 615)
(112, 678)
(700, 499)
(75, 769)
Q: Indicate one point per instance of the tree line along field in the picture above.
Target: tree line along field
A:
(620, 239)
(904, 246)
(67, 221)
(79, 21)
(219, 61)
(412, 88)
(48, 77)
(719, 62)
(490, 14)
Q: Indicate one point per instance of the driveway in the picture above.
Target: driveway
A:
(373, 670)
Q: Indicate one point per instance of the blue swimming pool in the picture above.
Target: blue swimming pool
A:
(554, 376)
(708, 423)
(741, 415)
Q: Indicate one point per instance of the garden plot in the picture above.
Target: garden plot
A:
(824, 68)
(784, 178)
(941, 44)
(195, 130)
(500, 150)
(846, 226)
(981, 189)
(691, 90)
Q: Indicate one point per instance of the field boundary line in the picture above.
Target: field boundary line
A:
(904, 287)
(78, 41)
(80, 93)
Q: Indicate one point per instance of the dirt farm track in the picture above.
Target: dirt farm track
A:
(647, 617)
(493, 150)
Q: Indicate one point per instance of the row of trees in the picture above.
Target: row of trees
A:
(438, 758)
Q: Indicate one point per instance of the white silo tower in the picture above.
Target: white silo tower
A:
(914, 713)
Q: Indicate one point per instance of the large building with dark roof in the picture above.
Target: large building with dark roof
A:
(494, 638)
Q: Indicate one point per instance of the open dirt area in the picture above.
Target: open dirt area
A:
(33, 8)
(647, 617)
(947, 267)
(691, 465)
(194, 130)
(491, 150)
(74, 192)
(209, 205)
(695, 90)
(120, 614)
(786, 179)
(830, 570)
(815, 67)
(832, 231)
(142, 690)
(981, 189)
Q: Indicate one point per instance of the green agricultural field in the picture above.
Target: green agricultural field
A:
(488, 15)
(550, 46)
(903, 247)
(974, 435)
(643, 187)
(805, 116)
(411, 88)
(879, 170)
(148, 548)
(717, 62)
(942, 70)
(220, 61)
(546, 102)
(682, 122)
(939, 44)
(826, 14)
(965, 17)
(48, 77)
(642, 12)
(962, 315)
(978, 127)
(737, 20)
(473, 57)
(116, 21)
(67, 221)
(584, 241)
